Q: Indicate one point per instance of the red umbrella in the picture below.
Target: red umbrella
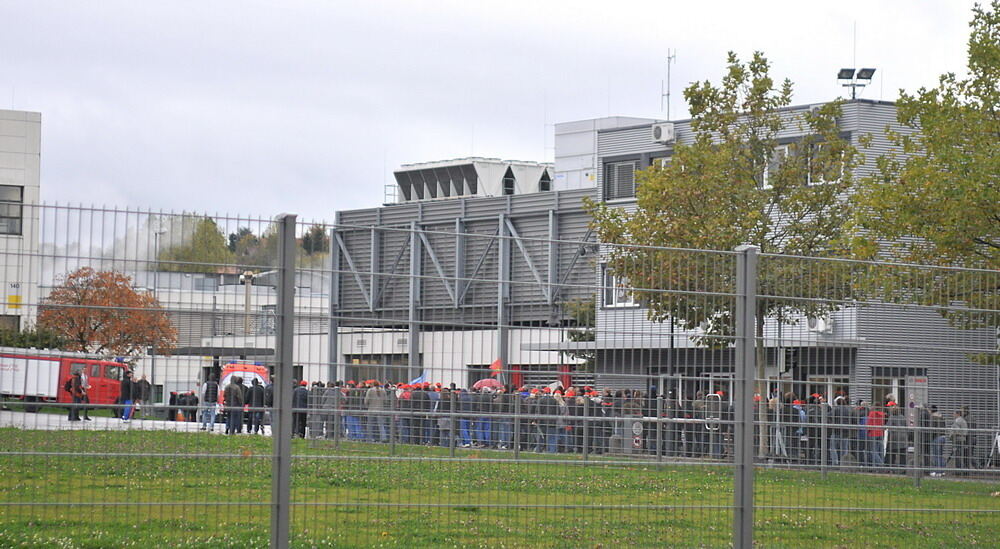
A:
(490, 382)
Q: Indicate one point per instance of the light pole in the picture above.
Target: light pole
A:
(247, 280)
(160, 230)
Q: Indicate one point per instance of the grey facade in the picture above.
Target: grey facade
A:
(868, 351)
(466, 264)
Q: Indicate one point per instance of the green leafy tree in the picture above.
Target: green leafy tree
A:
(241, 240)
(315, 241)
(730, 185)
(205, 252)
(34, 338)
(583, 313)
(935, 199)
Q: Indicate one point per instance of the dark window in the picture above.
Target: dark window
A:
(545, 183)
(11, 204)
(509, 182)
(114, 372)
(619, 180)
(206, 284)
(10, 323)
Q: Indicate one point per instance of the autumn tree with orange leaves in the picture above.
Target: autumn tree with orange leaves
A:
(101, 312)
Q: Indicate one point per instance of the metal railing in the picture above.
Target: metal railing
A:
(482, 389)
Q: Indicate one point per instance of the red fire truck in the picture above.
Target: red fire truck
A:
(40, 375)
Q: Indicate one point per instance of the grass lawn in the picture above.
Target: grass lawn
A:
(167, 489)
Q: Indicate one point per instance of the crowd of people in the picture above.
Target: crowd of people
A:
(132, 395)
(877, 436)
(583, 419)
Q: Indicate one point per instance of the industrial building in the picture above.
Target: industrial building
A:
(20, 184)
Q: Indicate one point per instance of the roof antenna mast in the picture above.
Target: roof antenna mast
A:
(665, 92)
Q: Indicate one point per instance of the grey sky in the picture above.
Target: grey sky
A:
(306, 107)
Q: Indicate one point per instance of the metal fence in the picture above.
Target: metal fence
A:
(483, 388)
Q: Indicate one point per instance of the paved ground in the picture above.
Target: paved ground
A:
(58, 422)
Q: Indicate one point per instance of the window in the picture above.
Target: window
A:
(11, 201)
(509, 182)
(10, 323)
(114, 372)
(661, 162)
(617, 291)
(545, 183)
(76, 367)
(619, 180)
(822, 170)
(780, 154)
(206, 284)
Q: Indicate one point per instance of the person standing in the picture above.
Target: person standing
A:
(333, 401)
(125, 396)
(143, 391)
(938, 439)
(209, 401)
(958, 432)
(232, 398)
(376, 403)
(76, 392)
(300, 405)
(897, 439)
(255, 399)
(875, 432)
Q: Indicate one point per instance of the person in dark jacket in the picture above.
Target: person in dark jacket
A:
(77, 392)
(125, 396)
(419, 405)
(255, 399)
(142, 391)
(300, 403)
(232, 399)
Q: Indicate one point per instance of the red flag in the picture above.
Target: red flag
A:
(497, 367)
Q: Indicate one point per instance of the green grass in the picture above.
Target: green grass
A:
(358, 495)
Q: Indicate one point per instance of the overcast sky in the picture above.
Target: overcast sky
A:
(258, 107)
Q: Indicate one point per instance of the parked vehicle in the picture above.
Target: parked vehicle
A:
(40, 376)
(247, 371)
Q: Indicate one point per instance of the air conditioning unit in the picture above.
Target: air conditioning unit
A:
(663, 132)
(821, 324)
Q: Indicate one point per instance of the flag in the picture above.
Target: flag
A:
(419, 379)
(496, 367)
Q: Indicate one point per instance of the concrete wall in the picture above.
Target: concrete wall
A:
(20, 165)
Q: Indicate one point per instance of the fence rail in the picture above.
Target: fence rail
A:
(484, 385)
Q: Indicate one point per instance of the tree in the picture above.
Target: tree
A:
(101, 312)
(733, 185)
(205, 252)
(315, 241)
(935, 199)
(242, 239)
(37, 338)
(583, 313)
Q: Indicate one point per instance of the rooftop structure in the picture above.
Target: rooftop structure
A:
(473, 176)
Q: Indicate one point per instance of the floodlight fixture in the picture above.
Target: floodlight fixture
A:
(850, 79)
(865, 74)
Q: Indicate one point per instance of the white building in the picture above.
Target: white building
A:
(576, 153)
(20, 157)
(474, 176)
